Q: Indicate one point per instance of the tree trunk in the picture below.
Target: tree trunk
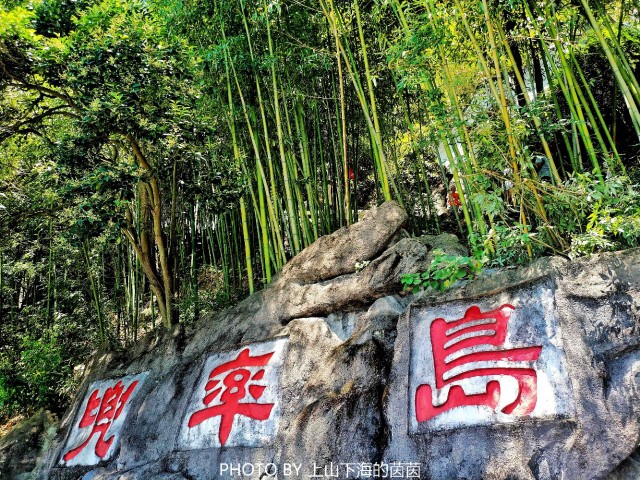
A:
(162, 284)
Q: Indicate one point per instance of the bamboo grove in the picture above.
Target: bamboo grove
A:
(164, 158)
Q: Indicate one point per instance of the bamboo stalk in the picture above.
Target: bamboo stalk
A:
(94, 290)
(617, 69)
(291, 213)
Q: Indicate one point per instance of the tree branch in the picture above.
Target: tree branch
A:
(47, 92)
(49, 113)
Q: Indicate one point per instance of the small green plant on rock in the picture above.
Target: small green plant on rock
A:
(362, 265)
(444, 271)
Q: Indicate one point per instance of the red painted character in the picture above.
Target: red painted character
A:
(467, 348)
(234, 386)
(100, 414)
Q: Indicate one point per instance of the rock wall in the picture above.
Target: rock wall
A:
(24, 447)
(526, 373)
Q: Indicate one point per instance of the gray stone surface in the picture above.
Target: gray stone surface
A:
(379, 278)
(628, 469)
(606, 425)
(23, 447)
(343, 385)
(337, 254)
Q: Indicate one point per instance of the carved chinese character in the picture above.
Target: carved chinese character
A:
(473, 347)
(234, 388)
(93, 437)
(235, 401)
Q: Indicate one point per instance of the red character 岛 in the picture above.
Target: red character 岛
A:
(231, 381)
(99, 414)
(470, 347)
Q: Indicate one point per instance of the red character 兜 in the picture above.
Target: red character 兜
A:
(99, 414)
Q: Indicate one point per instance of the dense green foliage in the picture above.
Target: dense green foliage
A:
(444, 271)
(160, 158)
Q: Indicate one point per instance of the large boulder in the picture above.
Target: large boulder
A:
(23, 447)
(331, 372)
(337, 254)
(379, 277)
(324, 277)
(585, 314)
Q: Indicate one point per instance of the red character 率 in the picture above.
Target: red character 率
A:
(471, 347)
(99, 414)
(229, 383)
